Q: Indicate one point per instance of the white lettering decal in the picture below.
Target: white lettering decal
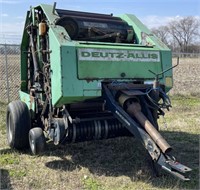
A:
(89, 54)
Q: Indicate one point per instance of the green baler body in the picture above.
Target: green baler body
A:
(79, 67)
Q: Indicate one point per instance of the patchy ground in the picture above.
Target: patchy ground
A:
(110, 164)
(187, 77)
(120, 163)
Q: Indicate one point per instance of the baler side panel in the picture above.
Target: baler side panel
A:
(48, 10)
(73, 89)
(104, 63)
(139, 27)
(66, 87)
(165, 52)
(166, 63)
(55, 58)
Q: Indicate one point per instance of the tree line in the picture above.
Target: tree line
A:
(181, 34)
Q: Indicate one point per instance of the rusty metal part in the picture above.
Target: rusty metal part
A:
(123, 98)
(134, 109)
(132, 106)
(33, 51)
(155, 96)
(42, 29)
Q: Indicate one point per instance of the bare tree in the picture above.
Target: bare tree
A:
(184, 31)
(162, 33)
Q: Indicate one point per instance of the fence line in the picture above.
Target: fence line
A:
(6, 66)
(10, 70)
(189, 55)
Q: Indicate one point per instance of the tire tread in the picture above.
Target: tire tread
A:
(21, 124)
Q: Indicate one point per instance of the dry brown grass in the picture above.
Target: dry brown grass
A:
(187, 77)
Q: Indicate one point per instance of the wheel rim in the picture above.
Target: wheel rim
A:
(32, 144)
(10, 124)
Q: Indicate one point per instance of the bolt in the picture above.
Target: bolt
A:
(123, 75)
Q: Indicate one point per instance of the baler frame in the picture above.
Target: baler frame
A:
(66, 99)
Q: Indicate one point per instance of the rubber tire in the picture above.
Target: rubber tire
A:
(18, 124)
(37, 140)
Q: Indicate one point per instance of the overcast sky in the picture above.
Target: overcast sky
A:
(153, 13)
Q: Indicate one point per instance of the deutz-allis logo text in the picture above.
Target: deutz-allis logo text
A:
(86, 54)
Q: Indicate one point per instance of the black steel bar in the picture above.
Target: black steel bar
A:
(165, 161)
(130, 124)
(62, 12)
(33, 51)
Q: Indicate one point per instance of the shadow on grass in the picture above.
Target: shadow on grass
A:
(14, 151)
(126, 157)
(5, 180)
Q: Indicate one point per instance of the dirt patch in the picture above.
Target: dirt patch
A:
(187, 77)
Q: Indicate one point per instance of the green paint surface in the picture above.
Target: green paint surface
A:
(79, 67)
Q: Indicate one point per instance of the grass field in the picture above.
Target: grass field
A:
(110, 164)
(186, 76)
